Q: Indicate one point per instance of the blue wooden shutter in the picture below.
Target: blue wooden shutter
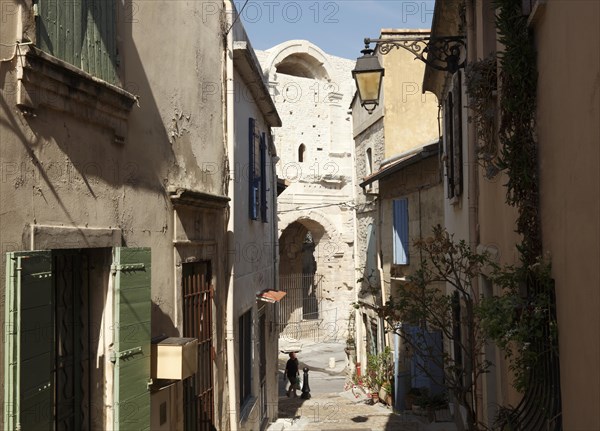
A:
(400, 243)
(263, 182)
(29, 341)
(132, 305)
(82, 33)
(253, 191)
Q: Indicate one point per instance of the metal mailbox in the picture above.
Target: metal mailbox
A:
(174, 358)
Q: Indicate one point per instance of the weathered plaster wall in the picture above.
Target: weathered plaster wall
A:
(252, 252)
(60, 169)
(421, 185)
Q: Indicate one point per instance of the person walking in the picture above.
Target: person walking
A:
(292, 373)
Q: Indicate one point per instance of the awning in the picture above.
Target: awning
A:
(402, 162)
(270, 296)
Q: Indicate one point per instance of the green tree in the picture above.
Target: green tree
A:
(440, 296)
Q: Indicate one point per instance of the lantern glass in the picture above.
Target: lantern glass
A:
(367, 74)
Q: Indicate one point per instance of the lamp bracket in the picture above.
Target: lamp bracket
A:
(441, 53)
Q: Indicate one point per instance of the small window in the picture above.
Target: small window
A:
(301, 150)
(400, 244)
(369, 159)
(245, 356)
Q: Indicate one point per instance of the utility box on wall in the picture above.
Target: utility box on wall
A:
(174, 358)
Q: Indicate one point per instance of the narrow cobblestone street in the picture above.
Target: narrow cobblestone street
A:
(341, 411)
(330, 406)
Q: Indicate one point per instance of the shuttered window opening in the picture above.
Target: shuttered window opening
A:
(400, 234)
(48, 367)
(449, 137)
(457, 131)
(245, 356)
(257, 172)
(453, 138)
(371, 270)
(263, 182)
(82, 33)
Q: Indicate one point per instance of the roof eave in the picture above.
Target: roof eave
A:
(246, 63)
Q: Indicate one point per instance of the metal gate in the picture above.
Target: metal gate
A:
(302, 314)
(71, 308)
(197, 323)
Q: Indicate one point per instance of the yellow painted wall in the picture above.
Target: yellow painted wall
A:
(410, 116)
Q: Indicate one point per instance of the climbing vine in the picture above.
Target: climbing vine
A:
(518, 151)
(519, 324)
(481, 79)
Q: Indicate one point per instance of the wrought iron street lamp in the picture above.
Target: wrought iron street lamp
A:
(441, 53)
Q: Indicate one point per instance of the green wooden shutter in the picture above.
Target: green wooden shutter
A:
(29, 341)
(82, 33)
(131, 271)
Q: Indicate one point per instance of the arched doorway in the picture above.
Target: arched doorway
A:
(301, 311)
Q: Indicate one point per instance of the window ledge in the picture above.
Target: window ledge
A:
(46, 81)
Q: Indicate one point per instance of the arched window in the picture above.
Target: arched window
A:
(301, 150)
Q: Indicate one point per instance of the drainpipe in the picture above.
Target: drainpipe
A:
(230, 136)
(358, 339)
(381, 323)
(275, 238)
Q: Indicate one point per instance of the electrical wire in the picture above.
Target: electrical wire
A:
(350, 205)
(237, 17)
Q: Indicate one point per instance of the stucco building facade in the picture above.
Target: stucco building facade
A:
(117, 217)
(399, 128)
(565, 134)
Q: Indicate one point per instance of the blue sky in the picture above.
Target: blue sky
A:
(337, 27)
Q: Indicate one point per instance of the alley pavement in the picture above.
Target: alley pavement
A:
(331, 406)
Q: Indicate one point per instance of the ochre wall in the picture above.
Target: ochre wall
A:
(568, 43)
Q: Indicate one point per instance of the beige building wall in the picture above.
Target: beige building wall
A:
(253, 260)
(569, 137)
(568, 133)
(405, 120)
(75, 162)
(421, 184)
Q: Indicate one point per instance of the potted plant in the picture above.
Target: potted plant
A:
(373, 376)
(385, 393)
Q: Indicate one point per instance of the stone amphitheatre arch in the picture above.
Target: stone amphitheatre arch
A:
(307, 219)
(304, 55)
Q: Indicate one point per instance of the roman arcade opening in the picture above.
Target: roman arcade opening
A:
(309, 310)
